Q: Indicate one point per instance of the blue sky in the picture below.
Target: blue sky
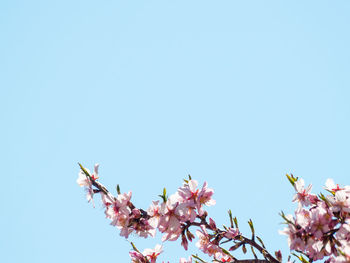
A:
(235, 93)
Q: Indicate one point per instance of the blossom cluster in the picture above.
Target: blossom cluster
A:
(172, 217)
(320, 228)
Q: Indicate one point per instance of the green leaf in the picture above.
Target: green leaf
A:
(231, 219)
(260, 240)
(324, 199)
(301, 258)
(291, 179)
(164, 196)
(250, 223)
(285, 218)
(235, 221)
(226, 252)
(84, 171)
(134, 247)
(201, 260)
(253, 252)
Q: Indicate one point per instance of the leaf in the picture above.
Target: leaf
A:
(164, 196)
(235, 246)
(231, 219)
(201, 260)
(226, 252)
(134, 247)
(301, 258)
(262, 243)
(324, 198)
(253, 252)
(291, 179)
(235, 221)
(250, 223)
(84, 171)
(244, 249)
(285, 218)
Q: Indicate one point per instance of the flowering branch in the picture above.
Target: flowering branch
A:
(320, 228)
(174, 217)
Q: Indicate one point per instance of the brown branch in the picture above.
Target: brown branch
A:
(252, 261)
(263, 251)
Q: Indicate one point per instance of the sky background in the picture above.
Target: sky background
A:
(235, 93)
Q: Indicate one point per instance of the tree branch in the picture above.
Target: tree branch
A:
(219, 232)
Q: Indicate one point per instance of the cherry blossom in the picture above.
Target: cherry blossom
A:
(302, 196)
(321, 230)
(340, 202)
(152, 254)
(232, 233)
(137, 257)
(205, 244)
(184, 260)
(85, 181)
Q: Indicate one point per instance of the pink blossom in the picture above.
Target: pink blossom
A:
(189, 190)
(187, 194)
(302, 195)
(90, 195)
(125, 218)
(193, 197)
(317, 249)
(142, 227)
(183, 260)
(205, 198)
(212, 224)
(302, 217)
(147, 256)
(153, 212)
(119, 212)
(221, 257)
(344, 231)
(205, 244)
(169, 221)
(331, 186)
(232, 233)
(84, 181)
(137, 257)
(152, 254)
(340, 201)
(320, 221)
(294, 234)
(184, 242)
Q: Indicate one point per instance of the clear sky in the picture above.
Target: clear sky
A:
(235, 93)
